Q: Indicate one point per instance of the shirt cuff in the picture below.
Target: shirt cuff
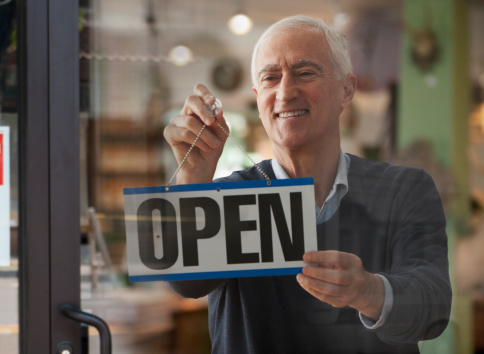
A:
(387, 307)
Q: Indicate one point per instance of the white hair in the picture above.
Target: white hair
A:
(338, 45)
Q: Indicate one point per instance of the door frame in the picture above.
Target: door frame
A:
(49, 217)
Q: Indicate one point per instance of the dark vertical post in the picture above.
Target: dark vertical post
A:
(49, 173)
(64, 161)
(34, 252)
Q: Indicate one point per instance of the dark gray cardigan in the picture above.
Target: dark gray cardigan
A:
(392, 218)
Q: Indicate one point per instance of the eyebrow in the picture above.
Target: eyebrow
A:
(269, 68)
(297, 65)
(307, 63)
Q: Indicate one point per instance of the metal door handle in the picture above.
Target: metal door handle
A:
(92, 320)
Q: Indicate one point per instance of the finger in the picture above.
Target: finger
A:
(208, 98)
(194, 106)
(184, 130)
(203, 92)
(184, 138)
(189, 139)
(195, 125)
(222, 130)
(331, 259)
(334, 276)
(321, 286)
(330, 293)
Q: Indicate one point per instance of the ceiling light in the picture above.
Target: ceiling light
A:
(240, 24)
(181, 55)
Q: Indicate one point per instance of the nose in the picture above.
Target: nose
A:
(287, 89)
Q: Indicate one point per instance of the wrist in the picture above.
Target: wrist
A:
(372, 299)
(193, 177)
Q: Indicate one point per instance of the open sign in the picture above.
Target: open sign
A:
(4, 196)
(219, 230)
(1, 158)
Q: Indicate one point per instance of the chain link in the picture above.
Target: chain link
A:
(167, 188)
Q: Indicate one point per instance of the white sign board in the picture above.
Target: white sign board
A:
(219, 230)
(4, 196)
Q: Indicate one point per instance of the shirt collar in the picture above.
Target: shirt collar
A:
(340, 183)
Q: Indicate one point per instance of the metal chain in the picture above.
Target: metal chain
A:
(246, 154)
(167, 188)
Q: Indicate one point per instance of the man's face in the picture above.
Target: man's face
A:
(298, 97)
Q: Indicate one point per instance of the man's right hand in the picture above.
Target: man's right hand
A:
(182, 131)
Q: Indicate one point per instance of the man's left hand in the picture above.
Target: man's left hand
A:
(338, 278)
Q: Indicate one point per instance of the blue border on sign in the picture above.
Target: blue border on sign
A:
(216, 275)
(221, 185)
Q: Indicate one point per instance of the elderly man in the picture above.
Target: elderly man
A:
(379, 282)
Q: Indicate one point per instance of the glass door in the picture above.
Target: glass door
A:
(48, 177)
(123, 102)
(139, 60)
(87, 87)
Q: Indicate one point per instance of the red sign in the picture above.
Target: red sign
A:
(1, 159)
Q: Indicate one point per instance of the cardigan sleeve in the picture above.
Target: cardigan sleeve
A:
(195, 288)
(419, 271)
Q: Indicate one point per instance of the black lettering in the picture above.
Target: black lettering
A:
(168, 233)
(190, 234)
(234, 227)
(293, 250)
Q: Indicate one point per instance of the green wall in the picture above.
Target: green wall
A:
(439, 111)
(434, 105)
(429, 111)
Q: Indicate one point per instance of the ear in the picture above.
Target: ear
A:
(256, 94)
(349, 88)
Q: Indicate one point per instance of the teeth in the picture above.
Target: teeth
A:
(291, 114)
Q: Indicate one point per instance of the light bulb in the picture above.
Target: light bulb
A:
(240, 24)
(180, 55)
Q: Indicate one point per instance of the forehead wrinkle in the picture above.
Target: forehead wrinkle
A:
(303, 63)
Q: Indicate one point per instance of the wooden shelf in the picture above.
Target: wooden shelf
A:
(127, 154)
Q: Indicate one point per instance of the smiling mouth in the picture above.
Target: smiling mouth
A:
(291, 114)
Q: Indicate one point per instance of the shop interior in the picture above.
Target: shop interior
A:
(140, 59)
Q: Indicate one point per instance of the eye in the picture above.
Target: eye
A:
(269, 80)
(306, 73)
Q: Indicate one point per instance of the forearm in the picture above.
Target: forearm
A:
(419, 273)
(420, 311)
(373, 324)
(371, 302)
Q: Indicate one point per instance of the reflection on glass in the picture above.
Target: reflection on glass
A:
(123, 99)
(130, 89)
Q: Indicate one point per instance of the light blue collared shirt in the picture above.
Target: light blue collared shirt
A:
(337, 192)
(329, 208)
